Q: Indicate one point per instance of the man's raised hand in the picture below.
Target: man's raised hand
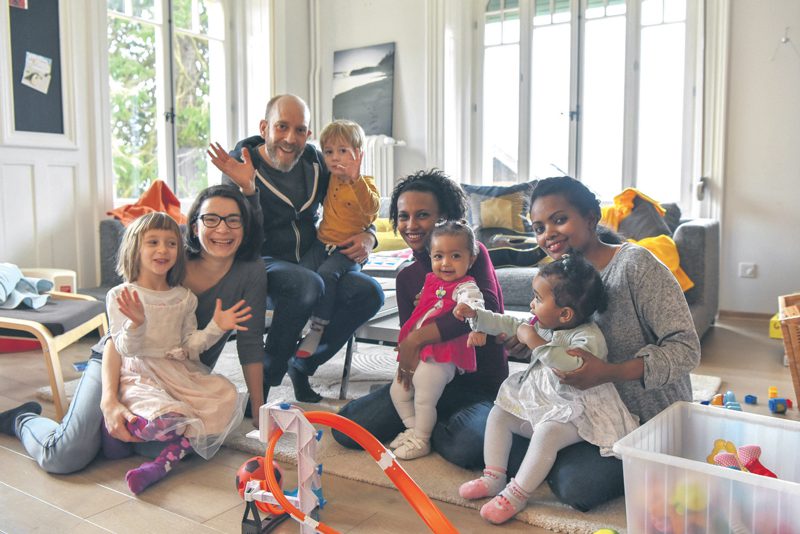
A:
(243, 173)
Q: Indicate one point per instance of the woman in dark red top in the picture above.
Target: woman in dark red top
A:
(418, 203)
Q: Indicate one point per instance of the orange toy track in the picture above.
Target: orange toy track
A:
(428, 511)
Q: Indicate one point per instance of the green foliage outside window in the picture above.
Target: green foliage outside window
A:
(135, 87)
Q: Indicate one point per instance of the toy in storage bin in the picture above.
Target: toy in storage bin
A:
(670, 487)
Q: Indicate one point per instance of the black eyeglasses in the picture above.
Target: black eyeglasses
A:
(212, 220)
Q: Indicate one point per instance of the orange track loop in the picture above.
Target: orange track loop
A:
(424, 507)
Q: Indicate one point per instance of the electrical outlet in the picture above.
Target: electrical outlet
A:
(748, 270)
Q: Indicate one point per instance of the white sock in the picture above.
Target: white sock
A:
(310, 343)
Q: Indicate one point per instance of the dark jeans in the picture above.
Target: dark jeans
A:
(458, 422)
(331, 268)
(580, 477)
(295, 291)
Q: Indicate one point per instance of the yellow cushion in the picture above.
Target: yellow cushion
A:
(664, 248)
(389, 241)
(383, 224)
(500, 206)
(503, 212)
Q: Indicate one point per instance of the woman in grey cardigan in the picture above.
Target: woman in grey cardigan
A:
(223, 263)
(649, 331)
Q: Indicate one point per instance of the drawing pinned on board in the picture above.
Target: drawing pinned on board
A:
(37, 72)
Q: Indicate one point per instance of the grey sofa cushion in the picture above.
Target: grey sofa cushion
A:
(58, 316)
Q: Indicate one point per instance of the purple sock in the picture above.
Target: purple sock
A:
(149, 473)
(155, 430)
(113, 449)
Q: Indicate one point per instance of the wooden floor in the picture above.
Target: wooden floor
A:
(200, 496)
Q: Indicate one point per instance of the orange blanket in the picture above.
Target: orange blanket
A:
(159, 197)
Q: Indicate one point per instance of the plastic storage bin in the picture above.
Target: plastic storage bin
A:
(670, 487)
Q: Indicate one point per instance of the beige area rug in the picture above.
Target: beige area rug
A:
(375, 365)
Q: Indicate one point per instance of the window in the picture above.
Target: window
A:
(168, 96)
(602, 90)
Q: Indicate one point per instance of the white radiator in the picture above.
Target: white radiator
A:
(378, 161)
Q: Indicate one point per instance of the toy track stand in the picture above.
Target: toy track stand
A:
(274, 418)
(256, 525)
(278, 418)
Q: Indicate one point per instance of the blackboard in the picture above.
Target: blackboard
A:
(36, 31)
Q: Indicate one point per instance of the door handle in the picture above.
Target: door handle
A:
(700, 188)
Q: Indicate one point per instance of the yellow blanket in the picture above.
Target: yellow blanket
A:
(662, 246)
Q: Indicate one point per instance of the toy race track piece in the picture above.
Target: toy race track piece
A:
(277, 418)
(750, 399)
(253, 469)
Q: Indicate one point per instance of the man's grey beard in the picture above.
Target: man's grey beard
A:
(272, 152)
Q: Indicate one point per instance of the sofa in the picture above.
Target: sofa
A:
(698, 247)
(697, 241)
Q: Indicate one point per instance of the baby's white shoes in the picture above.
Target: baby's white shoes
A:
(412, 447)
(400, 438)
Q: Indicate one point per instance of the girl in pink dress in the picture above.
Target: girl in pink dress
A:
(176, 399)
(415, 393)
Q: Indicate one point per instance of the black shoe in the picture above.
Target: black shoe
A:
(9, 417)
(302, 389)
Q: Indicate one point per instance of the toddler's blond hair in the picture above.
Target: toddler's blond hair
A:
(348, 131)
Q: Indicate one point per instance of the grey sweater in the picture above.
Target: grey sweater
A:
(648, 318)
(245, 280)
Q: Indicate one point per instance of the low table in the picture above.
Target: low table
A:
(382, 329)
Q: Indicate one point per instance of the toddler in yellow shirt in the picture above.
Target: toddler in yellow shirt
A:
(350, 207)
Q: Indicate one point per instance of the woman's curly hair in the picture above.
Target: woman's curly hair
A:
(449, 195)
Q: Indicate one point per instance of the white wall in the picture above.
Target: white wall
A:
(352, 23)
(347, 24)
(761, 210)
(49, 196)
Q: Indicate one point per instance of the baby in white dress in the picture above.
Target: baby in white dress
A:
(533, 403)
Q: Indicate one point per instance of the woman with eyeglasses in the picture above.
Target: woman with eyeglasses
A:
(223, 262)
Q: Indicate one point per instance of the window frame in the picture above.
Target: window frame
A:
(166, 127)
(692, 124)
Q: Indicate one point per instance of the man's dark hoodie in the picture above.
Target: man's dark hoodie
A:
(288, 231)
